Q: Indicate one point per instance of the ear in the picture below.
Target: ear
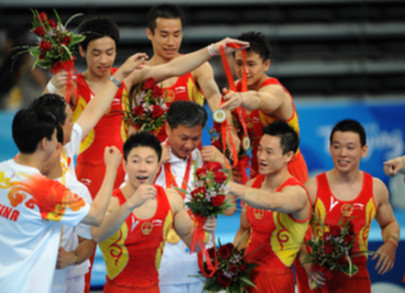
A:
(267, 64)
(289, 156)
(364, 151)
(168, 128)
(42, 143)
(124, 166)
(82, 51)
(59, 148)
(149, 34)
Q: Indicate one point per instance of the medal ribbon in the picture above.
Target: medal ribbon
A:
(171, 181)
(68, 66)
(241, 113)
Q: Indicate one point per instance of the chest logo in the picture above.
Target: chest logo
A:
(146, 228)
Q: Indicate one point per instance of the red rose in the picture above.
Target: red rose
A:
(138, 110)
(327, 236)
(200, 172)
(329, 248)
(220, 177)
(66, 40)
(218, 200)
(233, 268)
(242, 267)
(45, 46)
(148, 84)
(211, 252)
(348, 239)
(157, 111)
(57, 67)
(42, 16)
(225, 251)
(157, 91)
(39, 31)
(52, 23)
(328, 274)
(42, 55)
(214, 166)
(224, 280)
(335, 231)
(199, 190)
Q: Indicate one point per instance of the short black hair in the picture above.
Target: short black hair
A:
(349, 125)
(186, 113)
(30, 126)
(142, 139)
(258, 44)
(289, 139)
(98, 27)
(54, 104)
(164, 11)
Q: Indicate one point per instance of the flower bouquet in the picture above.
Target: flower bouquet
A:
(332, 251)
(147, 107)
(56, 45)
(208, 198)
(232, 273)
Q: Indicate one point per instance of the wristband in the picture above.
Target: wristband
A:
(51, 87)
(392, 242)
(115, 81)
(211, 50)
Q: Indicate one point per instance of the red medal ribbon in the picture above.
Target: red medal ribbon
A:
(170, 180)
(199, 239)
(239, 111)
(68, 66)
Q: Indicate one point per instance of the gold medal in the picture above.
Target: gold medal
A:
(219, 116)
(146, 228)
(172, 236)
(246, 143)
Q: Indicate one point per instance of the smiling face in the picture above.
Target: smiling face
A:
(142, 165)
(346, 151)
(270, 155)
(100, 56)
(183, 140)
(255, 68)
(167, 37)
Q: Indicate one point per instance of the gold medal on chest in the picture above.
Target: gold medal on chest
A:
(146, 228)
(172, 236)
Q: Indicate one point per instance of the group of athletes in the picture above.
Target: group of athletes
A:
(116, 186)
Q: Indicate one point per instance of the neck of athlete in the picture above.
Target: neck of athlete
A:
(274, 180)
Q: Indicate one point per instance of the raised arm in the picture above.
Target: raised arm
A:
(290, 200)
(185, 63)
(116, 214)
(112, 159)
(103, 98)
(389, 228)
(267, 99)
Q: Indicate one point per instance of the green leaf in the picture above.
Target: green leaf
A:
(71, 18)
